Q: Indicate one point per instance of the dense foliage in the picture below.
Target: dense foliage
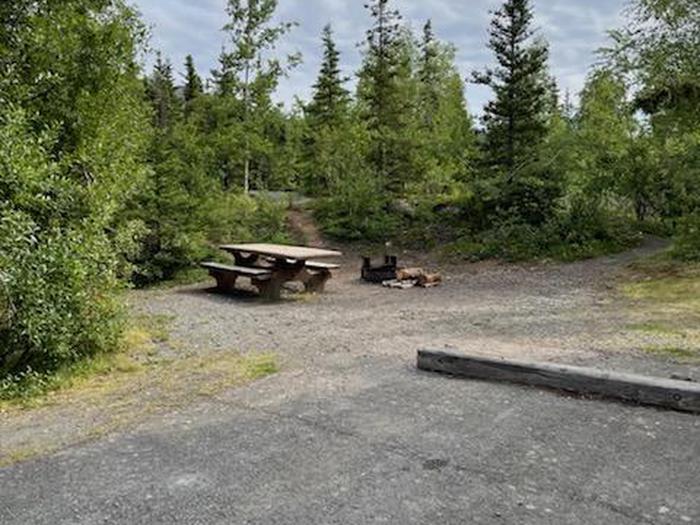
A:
(110, 175)
(73, 131)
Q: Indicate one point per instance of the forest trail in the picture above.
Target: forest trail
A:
(303, 228)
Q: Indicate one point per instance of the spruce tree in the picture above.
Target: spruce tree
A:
(380, 91)
(447, 138)
(193, 82)
(514, 121)
(224, 78)
(382, 62)
(161, 92)
(331, 99)
(429, 74)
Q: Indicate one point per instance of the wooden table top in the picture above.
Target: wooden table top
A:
(281, 251)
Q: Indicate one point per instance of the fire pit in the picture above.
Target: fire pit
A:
(381, 273)
(391, 275)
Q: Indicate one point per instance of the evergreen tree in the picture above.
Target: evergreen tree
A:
(327, 118)
(385, 73)
(331, 99)
(447, 138)
(224, 78)
(193, 83)
(428, 74)
(161, 92)
(514, 120)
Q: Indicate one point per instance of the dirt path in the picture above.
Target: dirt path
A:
(303, 228)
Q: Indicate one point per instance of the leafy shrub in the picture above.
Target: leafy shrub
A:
(57, 274)
(687, 243)
(580, 230)
(358, 210)
(175, 242)
(240, 218)
(511, 239)
(529, 198)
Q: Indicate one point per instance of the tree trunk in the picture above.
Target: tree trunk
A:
(246, 110)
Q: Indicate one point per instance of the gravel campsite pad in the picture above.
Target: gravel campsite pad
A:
(349, 432)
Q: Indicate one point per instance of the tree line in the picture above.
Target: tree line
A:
(109, 175)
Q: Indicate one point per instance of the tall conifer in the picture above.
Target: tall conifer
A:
(429, 74)
(161, 91)
(193, 82)
(514, 120)
(330, 98)
(380, 91)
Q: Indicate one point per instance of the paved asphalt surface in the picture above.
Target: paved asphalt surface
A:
(372, 440)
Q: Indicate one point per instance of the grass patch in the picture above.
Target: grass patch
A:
(666, 297)
(137, 362)
(661, 281)
(681, 354)
(118, 392)
(19, 455)
(30, 389)
(137, 348)
(518, 250)
(147, 329)
(656, 328)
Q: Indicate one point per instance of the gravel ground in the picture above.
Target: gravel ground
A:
(569, 313)
(350, 432)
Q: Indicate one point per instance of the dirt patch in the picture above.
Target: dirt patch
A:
(303, 229)
(152, 379)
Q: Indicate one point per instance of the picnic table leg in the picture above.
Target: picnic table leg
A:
(225, 282)
(315, 282)
(245, 260)
(282, 271)
(270, 289)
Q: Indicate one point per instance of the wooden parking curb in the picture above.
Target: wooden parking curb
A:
(668, 393)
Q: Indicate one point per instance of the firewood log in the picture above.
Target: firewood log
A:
(407, 274)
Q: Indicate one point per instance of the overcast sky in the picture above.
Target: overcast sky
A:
(574, 29)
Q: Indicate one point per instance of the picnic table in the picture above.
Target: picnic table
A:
(270, 266)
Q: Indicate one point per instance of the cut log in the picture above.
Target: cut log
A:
(667, 393)
(408, 274)
(429, 280)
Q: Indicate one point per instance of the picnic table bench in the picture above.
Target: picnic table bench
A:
(270, 266)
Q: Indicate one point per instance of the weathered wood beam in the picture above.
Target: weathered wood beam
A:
(667, 393)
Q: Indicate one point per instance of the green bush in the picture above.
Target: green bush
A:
(687, 242)
(240, 218)
(580, 230)
(176, 241)
(358, 210)
(58, 295)
(57, 273)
